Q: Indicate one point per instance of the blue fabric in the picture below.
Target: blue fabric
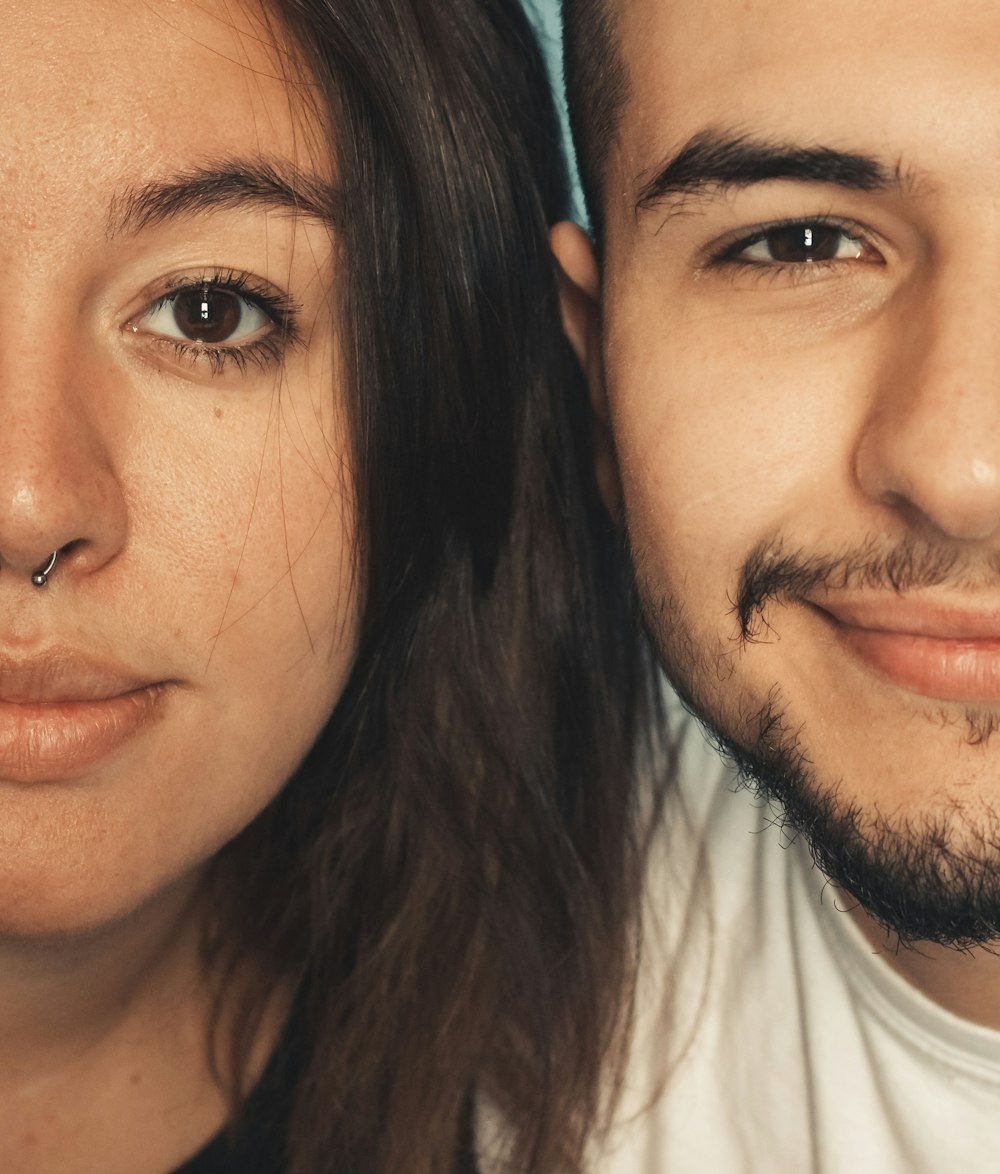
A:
(544, 15)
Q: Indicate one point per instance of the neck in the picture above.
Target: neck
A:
(104, 1060)
(61, 996)
(964, 982)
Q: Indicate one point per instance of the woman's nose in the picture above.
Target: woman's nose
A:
(59, 487)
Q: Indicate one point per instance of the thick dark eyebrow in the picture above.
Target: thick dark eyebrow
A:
(716, 161)
(261, 184)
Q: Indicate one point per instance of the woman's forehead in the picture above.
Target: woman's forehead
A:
(98, 95)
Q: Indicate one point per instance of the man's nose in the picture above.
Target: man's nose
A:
(59, 488)
(930, 445)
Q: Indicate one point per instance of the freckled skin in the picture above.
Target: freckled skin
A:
(209, 520)
(205, 517)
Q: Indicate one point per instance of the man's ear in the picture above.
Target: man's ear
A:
(579, 296)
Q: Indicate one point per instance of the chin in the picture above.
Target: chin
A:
(916, 844)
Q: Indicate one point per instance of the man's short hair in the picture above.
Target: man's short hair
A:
(596, 89)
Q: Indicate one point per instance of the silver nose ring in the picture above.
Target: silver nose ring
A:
(41, 576)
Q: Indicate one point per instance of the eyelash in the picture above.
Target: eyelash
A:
(727, 255)
(263, 353)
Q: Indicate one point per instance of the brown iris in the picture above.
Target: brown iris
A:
(207, 315)
(804, 242)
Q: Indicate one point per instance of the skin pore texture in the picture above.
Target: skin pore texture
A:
(169, 375)
(793, 340)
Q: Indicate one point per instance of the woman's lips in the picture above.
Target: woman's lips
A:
(949, 653)
(61, 713)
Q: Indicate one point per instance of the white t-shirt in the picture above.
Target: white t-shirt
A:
(790, 1045)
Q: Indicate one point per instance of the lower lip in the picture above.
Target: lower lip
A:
(948, 669)
(46, 741)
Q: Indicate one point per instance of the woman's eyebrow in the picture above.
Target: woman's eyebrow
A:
(713, 162)
(261, 183)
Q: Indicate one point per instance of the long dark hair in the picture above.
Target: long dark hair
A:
(449, 877)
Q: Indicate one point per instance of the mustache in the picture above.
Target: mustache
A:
(774, 572)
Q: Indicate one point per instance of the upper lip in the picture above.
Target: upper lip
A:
(914, 615)
(63, 675)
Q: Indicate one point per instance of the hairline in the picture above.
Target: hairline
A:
(597, 88)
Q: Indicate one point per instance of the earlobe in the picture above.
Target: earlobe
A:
(579, 295)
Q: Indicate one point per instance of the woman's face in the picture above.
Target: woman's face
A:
(171, 420)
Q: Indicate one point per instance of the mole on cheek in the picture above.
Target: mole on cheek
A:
(218, 413)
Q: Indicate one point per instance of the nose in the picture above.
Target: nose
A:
(59, 489)
(930, 446)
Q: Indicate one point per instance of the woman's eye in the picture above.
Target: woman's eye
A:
(798, 244)
(207, 315)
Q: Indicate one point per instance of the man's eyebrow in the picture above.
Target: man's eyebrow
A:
(714, 160)
(232, 183)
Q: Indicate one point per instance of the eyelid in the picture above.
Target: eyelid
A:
(725, 250)
(261, 351)
(273, 301)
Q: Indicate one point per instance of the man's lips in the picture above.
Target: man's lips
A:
(951, 653)
(61, 712)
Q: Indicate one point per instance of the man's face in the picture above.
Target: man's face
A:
(801, 361)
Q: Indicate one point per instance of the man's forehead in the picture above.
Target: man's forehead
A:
(712, 47)
(686, 55)
(814, 73)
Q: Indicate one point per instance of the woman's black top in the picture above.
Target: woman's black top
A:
(257, 1144)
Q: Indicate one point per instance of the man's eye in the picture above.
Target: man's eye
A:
(798, 244)
(207, 315)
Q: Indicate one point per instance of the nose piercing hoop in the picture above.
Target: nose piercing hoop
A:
(41, 576)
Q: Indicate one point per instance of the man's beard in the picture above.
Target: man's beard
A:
(935, 878)
(932, 878)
